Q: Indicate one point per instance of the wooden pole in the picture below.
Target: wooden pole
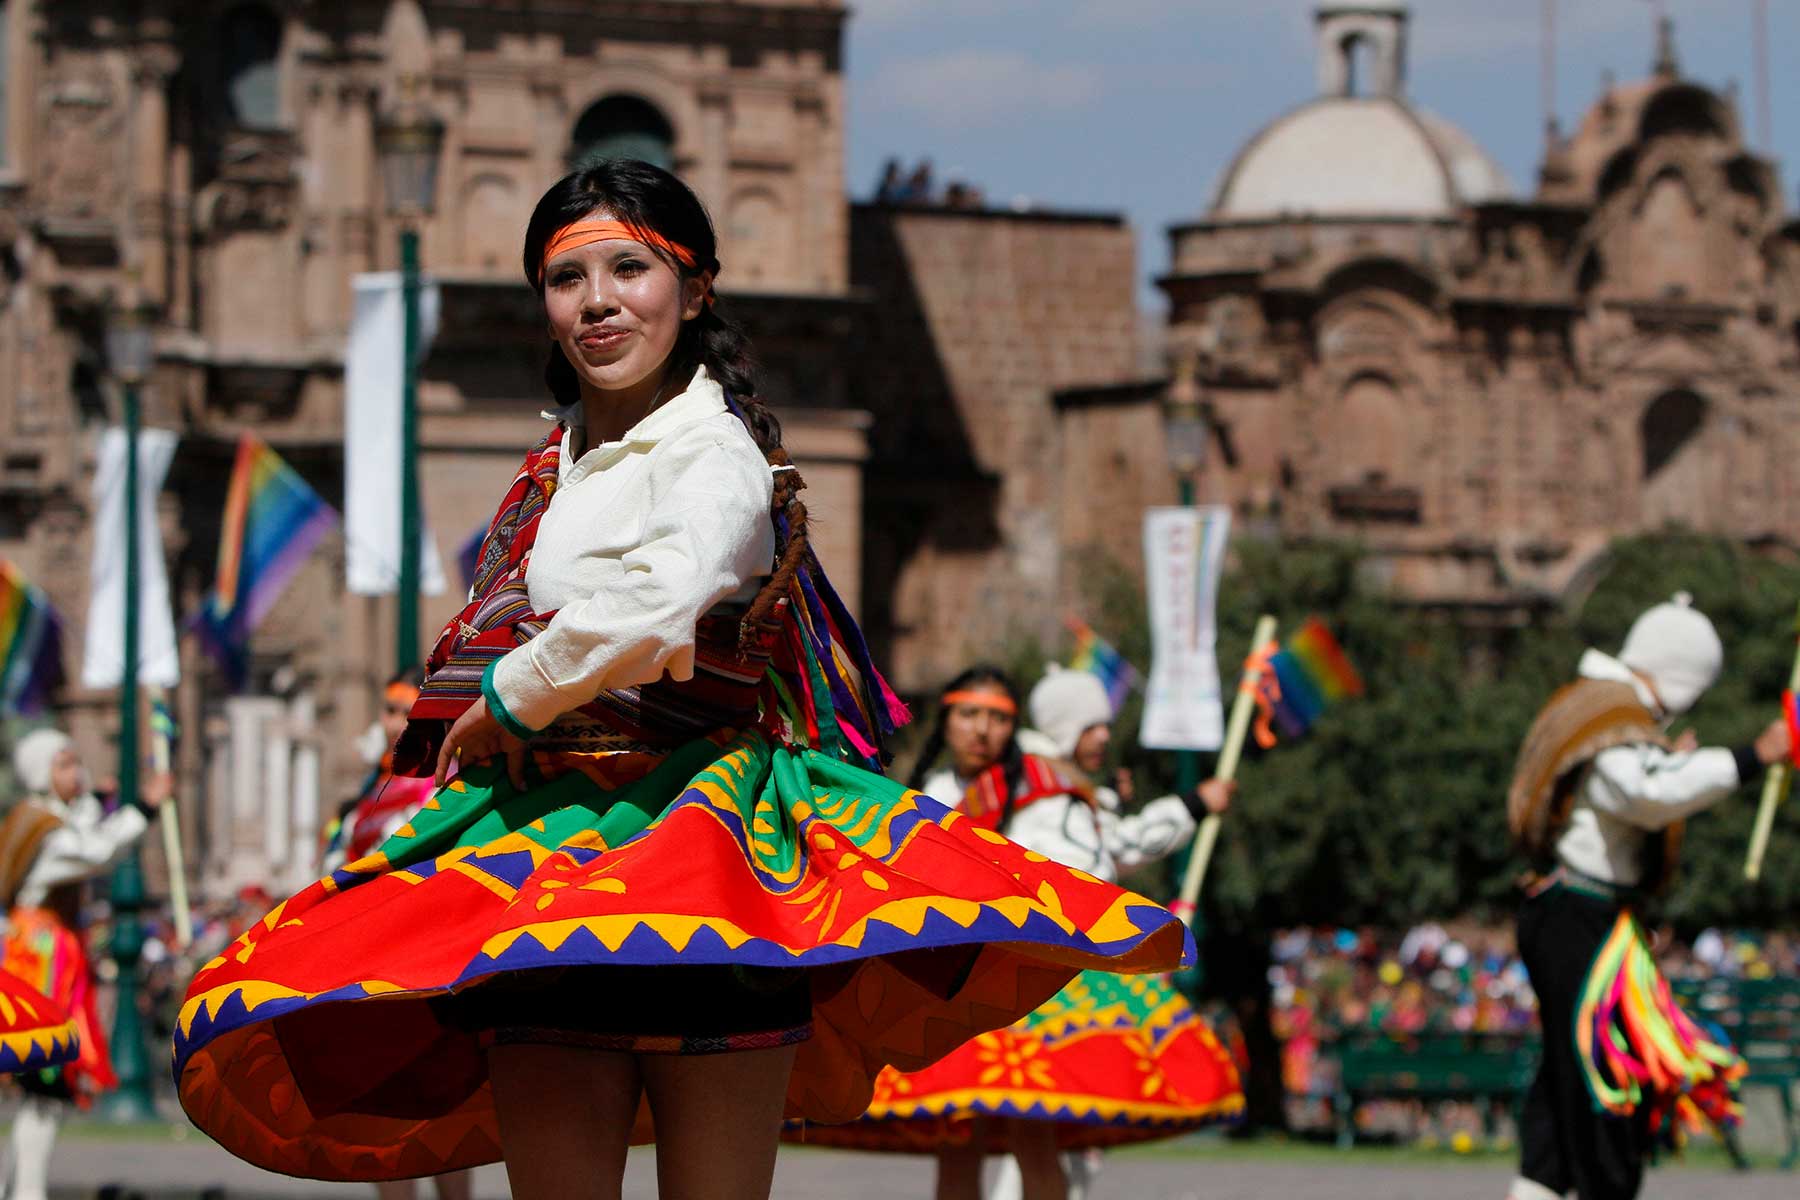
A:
(1235, 732)
(1775, 789)
(162, 759)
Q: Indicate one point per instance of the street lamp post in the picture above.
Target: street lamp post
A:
(128, 352)
(408, 139)
(1184, 431)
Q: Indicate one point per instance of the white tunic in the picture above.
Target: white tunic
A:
(1631, 792)
(642, 537)
(1101, 841)
(88, 842)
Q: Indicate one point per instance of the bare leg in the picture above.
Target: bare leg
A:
(718, 1119)
(457, 1185)
(959, 1173)
(396, 1189)
(565, 1119)
(1040, 1166)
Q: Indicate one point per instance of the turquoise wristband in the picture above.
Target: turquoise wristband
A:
(497, 707)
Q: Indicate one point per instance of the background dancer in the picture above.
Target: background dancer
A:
(658, 900)
(55, 837)
(1598, 798)
(1107, 1060)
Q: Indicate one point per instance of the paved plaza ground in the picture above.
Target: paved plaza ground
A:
(163, 1167)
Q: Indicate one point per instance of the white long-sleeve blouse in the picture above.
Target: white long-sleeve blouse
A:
(641, 538)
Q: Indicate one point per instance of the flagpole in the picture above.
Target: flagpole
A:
(1236, 731)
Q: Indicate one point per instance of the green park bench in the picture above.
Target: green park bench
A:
(1480, 1067)
(1762, 1019)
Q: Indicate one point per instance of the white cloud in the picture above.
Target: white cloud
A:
(982, 87)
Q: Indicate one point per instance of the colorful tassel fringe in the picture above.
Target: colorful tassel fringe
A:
(1637, 1046)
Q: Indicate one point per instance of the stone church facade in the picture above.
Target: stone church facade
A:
(1483, 388)
(219, 156)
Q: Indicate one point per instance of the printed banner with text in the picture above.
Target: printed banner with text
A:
(1184, 552)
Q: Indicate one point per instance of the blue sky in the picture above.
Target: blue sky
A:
(1136, 106)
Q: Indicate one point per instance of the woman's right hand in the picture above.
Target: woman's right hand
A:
(477, 737)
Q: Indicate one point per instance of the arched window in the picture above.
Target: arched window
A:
(622, 127)
(1359, 65)
(1672, 421)
(249, 66)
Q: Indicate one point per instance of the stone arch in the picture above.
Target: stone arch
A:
(1394, 275)
(1677, 475)
(1668, 424)
(249, 65)
(621, 125)
(1685, 108)
(647, 82)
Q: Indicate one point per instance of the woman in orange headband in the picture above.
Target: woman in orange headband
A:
(668, 895)
(1104, 1062)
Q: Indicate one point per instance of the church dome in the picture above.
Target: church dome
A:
(1344, 154)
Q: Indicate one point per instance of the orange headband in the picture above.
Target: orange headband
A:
(401, 693)
(991, 700)
(586, 233)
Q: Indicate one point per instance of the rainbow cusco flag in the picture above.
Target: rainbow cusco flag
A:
(30, 644)
(273, 519)
(1305, 677)
(1094, 654)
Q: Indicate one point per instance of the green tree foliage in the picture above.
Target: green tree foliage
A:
(1392, 809)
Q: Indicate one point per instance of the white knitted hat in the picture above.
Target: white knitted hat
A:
(1678, 649)
(1066, 704)
(33, 756)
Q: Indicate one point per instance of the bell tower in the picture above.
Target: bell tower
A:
(1352, 34)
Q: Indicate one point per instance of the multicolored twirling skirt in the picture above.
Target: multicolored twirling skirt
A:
(35, 1033)
(1638, 1048)
(1109, 1060)
(334, 1039)
(47, 959)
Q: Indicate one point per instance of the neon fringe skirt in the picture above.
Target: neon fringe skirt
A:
(316, 1044)
(1637, 1047)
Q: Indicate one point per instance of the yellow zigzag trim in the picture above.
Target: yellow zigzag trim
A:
(52, 1040)
(956, 1103)
(907, 914)
(258, 992)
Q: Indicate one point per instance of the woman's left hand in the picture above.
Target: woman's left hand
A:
(477, 737)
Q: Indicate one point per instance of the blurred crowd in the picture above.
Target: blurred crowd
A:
(1434, 979)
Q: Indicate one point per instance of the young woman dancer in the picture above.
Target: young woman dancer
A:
(663, 897)
(1107, 1060)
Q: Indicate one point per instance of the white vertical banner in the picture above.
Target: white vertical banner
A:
(1184, 553)
(374, 384)
(103, 651)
